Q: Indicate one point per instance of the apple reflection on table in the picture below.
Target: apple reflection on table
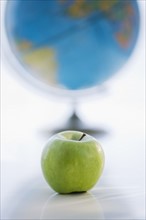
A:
(37, 201)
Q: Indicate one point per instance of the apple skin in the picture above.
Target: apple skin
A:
(70, 164)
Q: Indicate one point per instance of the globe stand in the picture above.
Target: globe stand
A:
(75, 123)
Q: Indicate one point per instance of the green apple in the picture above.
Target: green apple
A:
(72, 161)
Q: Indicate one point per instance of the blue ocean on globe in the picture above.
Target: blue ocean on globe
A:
(72, 44)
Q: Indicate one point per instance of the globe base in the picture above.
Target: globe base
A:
(75, 123)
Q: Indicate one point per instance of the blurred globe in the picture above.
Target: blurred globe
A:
(72, 44)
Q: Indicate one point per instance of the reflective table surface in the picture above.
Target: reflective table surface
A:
(118, 195)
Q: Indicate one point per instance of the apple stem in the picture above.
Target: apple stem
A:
(83, 135)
